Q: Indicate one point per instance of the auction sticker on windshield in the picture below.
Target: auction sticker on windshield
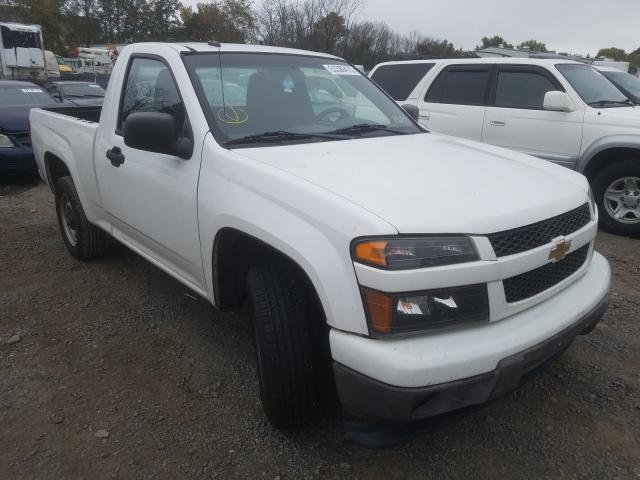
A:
(341, 69)
(31, 90)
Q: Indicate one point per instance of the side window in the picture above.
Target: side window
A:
(399, 80)
(460, 85)
(522, 89)
(150, 88)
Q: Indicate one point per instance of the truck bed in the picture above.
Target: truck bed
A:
(90, 113)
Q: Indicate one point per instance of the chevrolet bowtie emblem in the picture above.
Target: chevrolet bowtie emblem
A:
(560, 250)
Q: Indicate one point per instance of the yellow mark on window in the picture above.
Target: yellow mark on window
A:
(232, 115)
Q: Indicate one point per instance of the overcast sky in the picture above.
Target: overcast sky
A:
(576, 26)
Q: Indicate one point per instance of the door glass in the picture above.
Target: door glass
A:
(399, 80)
(460, 86)
(522, 89)
(150, 88)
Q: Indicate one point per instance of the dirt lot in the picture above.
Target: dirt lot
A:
(111, 369)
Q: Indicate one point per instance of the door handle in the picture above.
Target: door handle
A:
(425, 116)
(116, 156)
(498, 123)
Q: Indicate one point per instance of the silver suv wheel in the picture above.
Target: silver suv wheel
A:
(622, 200)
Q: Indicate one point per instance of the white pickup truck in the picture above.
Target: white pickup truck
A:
(559, 110)
(412, 271)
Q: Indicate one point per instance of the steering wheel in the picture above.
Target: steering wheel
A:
(342, 114)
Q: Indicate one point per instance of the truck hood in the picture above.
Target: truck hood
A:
(429, 183)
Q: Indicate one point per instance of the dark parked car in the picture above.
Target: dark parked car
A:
(16, 100)
(77, 93)
(625, 82)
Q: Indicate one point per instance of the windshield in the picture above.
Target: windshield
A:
(82, 90)
(592, 87)
(299, 98)
(11, 95)
(19, 39)
(625, 81)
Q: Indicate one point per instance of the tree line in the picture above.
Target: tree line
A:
(331, 26)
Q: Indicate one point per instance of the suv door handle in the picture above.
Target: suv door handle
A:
(498, 123)
(424, 116)
(116, 156)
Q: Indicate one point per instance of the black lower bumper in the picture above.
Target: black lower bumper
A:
(399, 413)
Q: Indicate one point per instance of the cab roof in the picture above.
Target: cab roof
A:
(203, 47)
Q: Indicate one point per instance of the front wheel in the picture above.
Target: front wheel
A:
(82, 239)
(289, 338)
(617, 192)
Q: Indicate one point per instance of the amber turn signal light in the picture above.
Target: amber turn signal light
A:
(380, 308)
(372, 252)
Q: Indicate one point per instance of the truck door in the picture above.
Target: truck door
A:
(151, 198)
(454, 103)
(515, 118)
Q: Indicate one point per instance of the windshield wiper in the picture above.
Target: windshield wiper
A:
(279, 136)
(602, 103)
(364, 128)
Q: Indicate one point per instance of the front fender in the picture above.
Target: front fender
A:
(308, 224)
(606, 143)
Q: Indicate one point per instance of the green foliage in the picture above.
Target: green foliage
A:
(534, 46)
(495, 41)
(224, 20)
(46, 13)
(432, 48)
(618, 54)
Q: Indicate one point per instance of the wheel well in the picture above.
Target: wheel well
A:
(55, 169)
(607, 157)
(234, 253)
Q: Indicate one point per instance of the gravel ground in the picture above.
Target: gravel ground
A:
(111, 369)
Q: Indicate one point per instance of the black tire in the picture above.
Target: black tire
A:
(89, 241)
(601, 182)
(290, 339)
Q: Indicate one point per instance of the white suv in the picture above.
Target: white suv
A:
(558, 110)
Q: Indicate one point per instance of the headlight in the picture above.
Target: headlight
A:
(389, 314)
(5, 142)
(406, 253)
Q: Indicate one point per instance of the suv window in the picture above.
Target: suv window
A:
(461, 85)
(400, 80)
(150, 88)
(522, 89)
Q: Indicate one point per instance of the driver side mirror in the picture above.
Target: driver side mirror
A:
(156, 132)
(557, 101)
(412, 110)
(57, 96)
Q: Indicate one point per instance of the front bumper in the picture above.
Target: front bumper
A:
(451, 371)
(19, 160)
(364, 396)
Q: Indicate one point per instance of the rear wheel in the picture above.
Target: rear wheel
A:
(617, 192)
(289, 337)
(83, 239)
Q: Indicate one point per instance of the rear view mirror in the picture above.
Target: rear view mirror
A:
(557, 101)
(412, 110)
(155, 132)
